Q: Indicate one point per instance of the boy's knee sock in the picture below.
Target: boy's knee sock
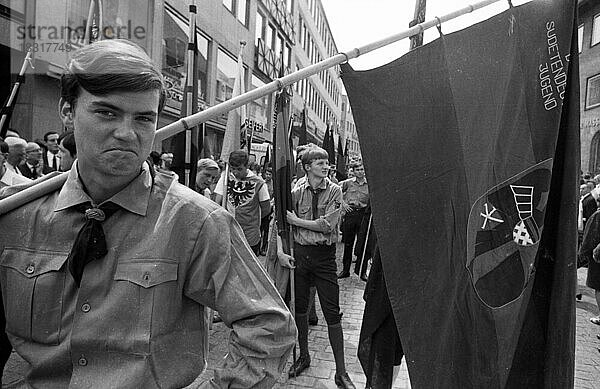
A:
(336, 339)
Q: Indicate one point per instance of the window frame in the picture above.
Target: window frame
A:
(580, 39)
(596, 17)
(589, 106)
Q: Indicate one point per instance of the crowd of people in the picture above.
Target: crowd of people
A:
(23, 161)
(588, 225)
(123, 260)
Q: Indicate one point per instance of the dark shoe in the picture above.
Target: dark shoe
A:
(313, 321)
(344, 274)
(578, 296)
(299, 366)
(344, 381)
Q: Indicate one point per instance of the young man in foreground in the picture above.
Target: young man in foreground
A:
(104, 283)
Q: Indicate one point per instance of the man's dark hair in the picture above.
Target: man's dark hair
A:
(108, 66)
(3, 147)
(155, 156)
(46, 135)
(238, 158)
(68, 142)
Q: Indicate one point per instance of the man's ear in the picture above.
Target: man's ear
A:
(66, 112)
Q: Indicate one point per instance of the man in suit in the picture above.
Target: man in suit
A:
(51, 159)
(32, 167)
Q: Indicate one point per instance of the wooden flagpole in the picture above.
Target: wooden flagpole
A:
(5, 118)
(182, 124)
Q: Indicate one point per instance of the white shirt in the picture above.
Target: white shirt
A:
(50, 157)
(11, 178)
(12, 168)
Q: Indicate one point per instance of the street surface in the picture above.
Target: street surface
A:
(320, 374)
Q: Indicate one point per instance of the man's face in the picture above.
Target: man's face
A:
(206, 177)
(34, 156)
(52, 143)
(240, 172)
(16, 155)
(66, 159)
(359, 171)
(319, 168)
(166, 161)
(114, 133)
(583, 190)
(268, 175)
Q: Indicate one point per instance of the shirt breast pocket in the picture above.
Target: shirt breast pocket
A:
(303, 211)
(33, 293)
(151, 300)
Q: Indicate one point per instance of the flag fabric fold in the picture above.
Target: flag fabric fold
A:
(476, 206)
(282, 164)
(236, 137)
(341, 161)
(303, 136)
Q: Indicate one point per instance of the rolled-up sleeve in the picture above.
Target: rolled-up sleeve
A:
(225, 276)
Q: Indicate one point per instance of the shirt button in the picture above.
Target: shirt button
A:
(85, 307)
(30, 269)
(82, 361)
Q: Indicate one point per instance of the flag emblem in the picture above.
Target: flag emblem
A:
(488, 216)
(521, 235)
(503, 235)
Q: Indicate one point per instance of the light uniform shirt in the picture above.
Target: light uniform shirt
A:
(138, 320)
(10, 178)
(328, 209)
(244, 197)
(355, 194)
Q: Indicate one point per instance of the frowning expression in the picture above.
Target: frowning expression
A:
(114, 132)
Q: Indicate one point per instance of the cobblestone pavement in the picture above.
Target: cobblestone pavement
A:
(320, 374)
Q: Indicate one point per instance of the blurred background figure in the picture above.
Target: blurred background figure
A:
(32, 167)
(16, 154)
(50, 158)
(166, 160)
(67, 151)
(208, 173)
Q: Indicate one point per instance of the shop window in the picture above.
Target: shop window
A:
(174, 64)
(227, 69)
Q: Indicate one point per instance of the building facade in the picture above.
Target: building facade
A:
(348, 129)
(589, 79)
(278, 33)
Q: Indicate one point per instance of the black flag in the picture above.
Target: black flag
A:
(476, 209)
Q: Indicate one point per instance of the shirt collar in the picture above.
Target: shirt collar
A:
(134, 197)
(248, 175)
(7, 177)
(364, 182)
(323, 184)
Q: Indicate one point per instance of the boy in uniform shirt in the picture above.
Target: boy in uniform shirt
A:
(317, 207)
